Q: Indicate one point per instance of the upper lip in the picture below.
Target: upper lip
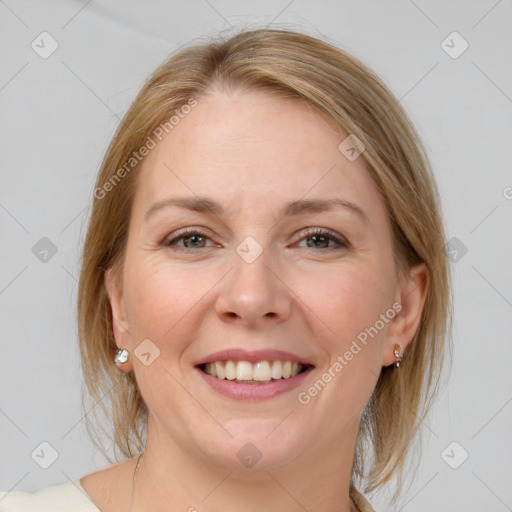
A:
(252, 356)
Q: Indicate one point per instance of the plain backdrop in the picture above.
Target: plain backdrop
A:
(59, 111)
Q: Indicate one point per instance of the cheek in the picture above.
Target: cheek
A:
(159, 296)
(349, 304)
(167, 301)
(347, 300)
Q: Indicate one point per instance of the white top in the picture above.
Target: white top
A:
(54, 498)
(59, 498)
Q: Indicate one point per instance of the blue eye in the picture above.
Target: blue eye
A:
(316, 238)
(192, 239)
(321, 238)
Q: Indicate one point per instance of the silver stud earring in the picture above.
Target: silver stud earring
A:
(121, 356)
(396, 351)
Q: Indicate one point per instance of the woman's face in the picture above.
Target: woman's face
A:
(294, 256)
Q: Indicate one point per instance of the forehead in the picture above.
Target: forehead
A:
(242, 148)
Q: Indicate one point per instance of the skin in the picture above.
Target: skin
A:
(253, 153)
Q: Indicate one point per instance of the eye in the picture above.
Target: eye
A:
(192, 239)
(316, 238)
(321, 238)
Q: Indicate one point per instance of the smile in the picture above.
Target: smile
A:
(263, 380)
(262, 372)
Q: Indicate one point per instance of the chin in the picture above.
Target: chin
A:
(256, 445)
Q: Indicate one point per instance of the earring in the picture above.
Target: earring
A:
(121, 356)
(396, 351)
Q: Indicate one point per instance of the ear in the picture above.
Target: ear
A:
(410, 294)
(119, 318)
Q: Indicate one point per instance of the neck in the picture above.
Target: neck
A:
(169, 473)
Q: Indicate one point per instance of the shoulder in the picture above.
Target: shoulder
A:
(110, 488)
(57, 498)
(361, 502)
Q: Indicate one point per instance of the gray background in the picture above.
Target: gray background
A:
(59, 113)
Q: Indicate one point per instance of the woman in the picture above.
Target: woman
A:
(264, 292)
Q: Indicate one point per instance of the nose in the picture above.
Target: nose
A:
(253, 294)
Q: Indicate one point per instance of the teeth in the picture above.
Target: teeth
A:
(243, 370)
(263, 371)
(230, 370)
(277, 370)
(219, 370)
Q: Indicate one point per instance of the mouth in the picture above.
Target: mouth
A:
(258, 373)
(253, 381)
(253, 375)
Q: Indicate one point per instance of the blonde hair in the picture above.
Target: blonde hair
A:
(338, 85)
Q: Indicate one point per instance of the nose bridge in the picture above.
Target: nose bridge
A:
(252, 291)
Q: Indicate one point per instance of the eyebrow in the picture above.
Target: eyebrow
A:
(294, 208)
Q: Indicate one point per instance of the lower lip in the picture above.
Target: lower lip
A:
(254, 391)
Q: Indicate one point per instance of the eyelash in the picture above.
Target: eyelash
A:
(310, 232)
